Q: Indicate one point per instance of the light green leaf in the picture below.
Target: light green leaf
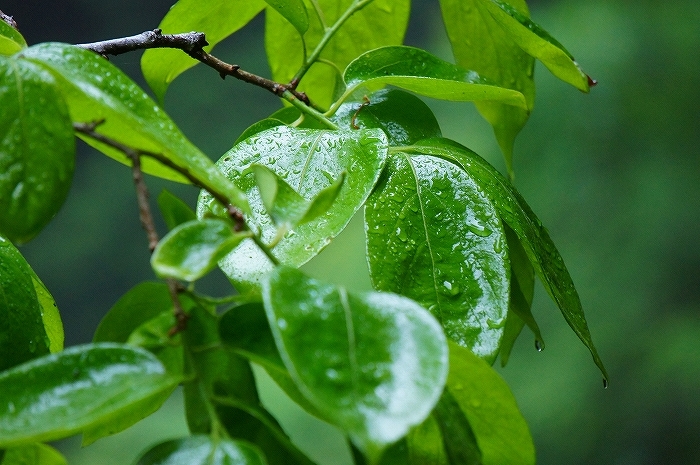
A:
(174, 210)
(381, 22)
(49, 314)
(434, 236)
(96, 90)
(374, 363)
(309, 161)
(203, 450)
(293, 11)
(37, 149)
(11, 41)
(33, 454)
(192, 249)
(97, 389)
(214, 18)
(418, 71)
(489, 406)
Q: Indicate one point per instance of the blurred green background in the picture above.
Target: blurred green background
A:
(613, 174)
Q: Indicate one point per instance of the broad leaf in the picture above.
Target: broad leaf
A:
(203, 450)
(418, 71)
(373, 363)
(516, 213)
(309, 161)
(37, 149)
(11, 41)
(434, 236)
(381, 22)
(215, 18)
(96, 90)
(500, 430)
(479, 43)
(174, 210)
(33, 454)
(192, 249)
(293, 11)
(96, 389)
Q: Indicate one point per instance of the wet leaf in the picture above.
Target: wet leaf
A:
(33, 454)
(458, 437)
(174, 210)
(293, 11)
(434, 236)
(11, 41)
(203, 450)
(373, 363)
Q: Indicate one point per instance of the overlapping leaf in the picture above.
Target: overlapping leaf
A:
(174, 210)
(293, 11)
(203, 450)
(11, 41)
(33, 454)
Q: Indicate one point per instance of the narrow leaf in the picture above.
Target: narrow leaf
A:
(33, 454)
(203, 450)
(374, 363)
(11, 41)
(293, 11)
(174, 210)
(459, 440)
(50, 316)
(418, 71)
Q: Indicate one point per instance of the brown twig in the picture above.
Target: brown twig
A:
(9, 20)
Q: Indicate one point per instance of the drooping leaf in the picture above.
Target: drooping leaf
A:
(373, 363)
(480, 43)
(309, 161)
(516, 213)
(192, 249)
(485, 399)
(37, 149)
(418, 71)
(11, 41)
(174, 210)
(433, 236)
(379, 23)
(50, 315)
(95, 90)
(96, 389)
(214, 18)
(458, 437)
(293, 11)
(33, 454)
(203, 450)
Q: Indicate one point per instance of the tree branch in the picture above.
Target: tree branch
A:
(9, 20)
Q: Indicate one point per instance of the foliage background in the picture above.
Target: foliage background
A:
(613, 174)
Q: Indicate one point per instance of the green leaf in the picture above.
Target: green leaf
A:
(216, 19)
(174, 210)
(516, 213)
(489, 406)
(49, 314)
(434, 236)
(479, 43)
(33, 454)
(203, 450)
(374, 363)
(193, 249)
(37, 149)
(418, 71)
(11, 41)
(97, 389)
(267, 123)
(95, 90)
(309, 161)
(458, 437)
(538, 43)
(381, 22)
(293, 11)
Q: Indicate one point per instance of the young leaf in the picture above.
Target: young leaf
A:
(97, 389)
(293, 11)
(33, 454)
(37, 149)
(203, 450)
(49, 314)
(418, 71)
(374, 363)
(309, 161)
(433, 236)
(215, 18)
(193, 249)
(95, 90)
(174, 210)
(11, 41)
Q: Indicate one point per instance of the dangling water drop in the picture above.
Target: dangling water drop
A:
(605, 383)
(538, 345)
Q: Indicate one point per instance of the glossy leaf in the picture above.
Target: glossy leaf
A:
(538, 43)
(381, 22)
(309, 161)
(458, 437)
(11, 41)
(480, 43)
(263, 124)
(203, 450)
(418, 71)
(37, 149)
(96, 90)
(516, 213)
(373, 363)
(293, 11)
(96, 389)
(215, 18)
(489, 406)
(33, 454)
(434, 236)
(50, 315)
(193, 249)
(174, 210)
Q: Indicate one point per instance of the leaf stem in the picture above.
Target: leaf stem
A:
(305, 109)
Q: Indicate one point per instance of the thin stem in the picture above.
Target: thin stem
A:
(319, 13)
(265, 249)
(305, 109)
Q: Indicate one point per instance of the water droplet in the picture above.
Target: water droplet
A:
(538, 345)
(332, 374)
(11, 407)
(282, 324)
(605, 383)
(479, 230)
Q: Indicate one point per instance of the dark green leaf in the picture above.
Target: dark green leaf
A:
(516, 213)
(96, 90)
(192, 249)
(203, 450)
(11, 41)
(373, 363)
(309, 161)
(33, 454)
(97, 389)
(37, 149)
(420, 72)
(215, 18)
(293, 11)
(174, 210)
(434, 236)
(458, 437)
